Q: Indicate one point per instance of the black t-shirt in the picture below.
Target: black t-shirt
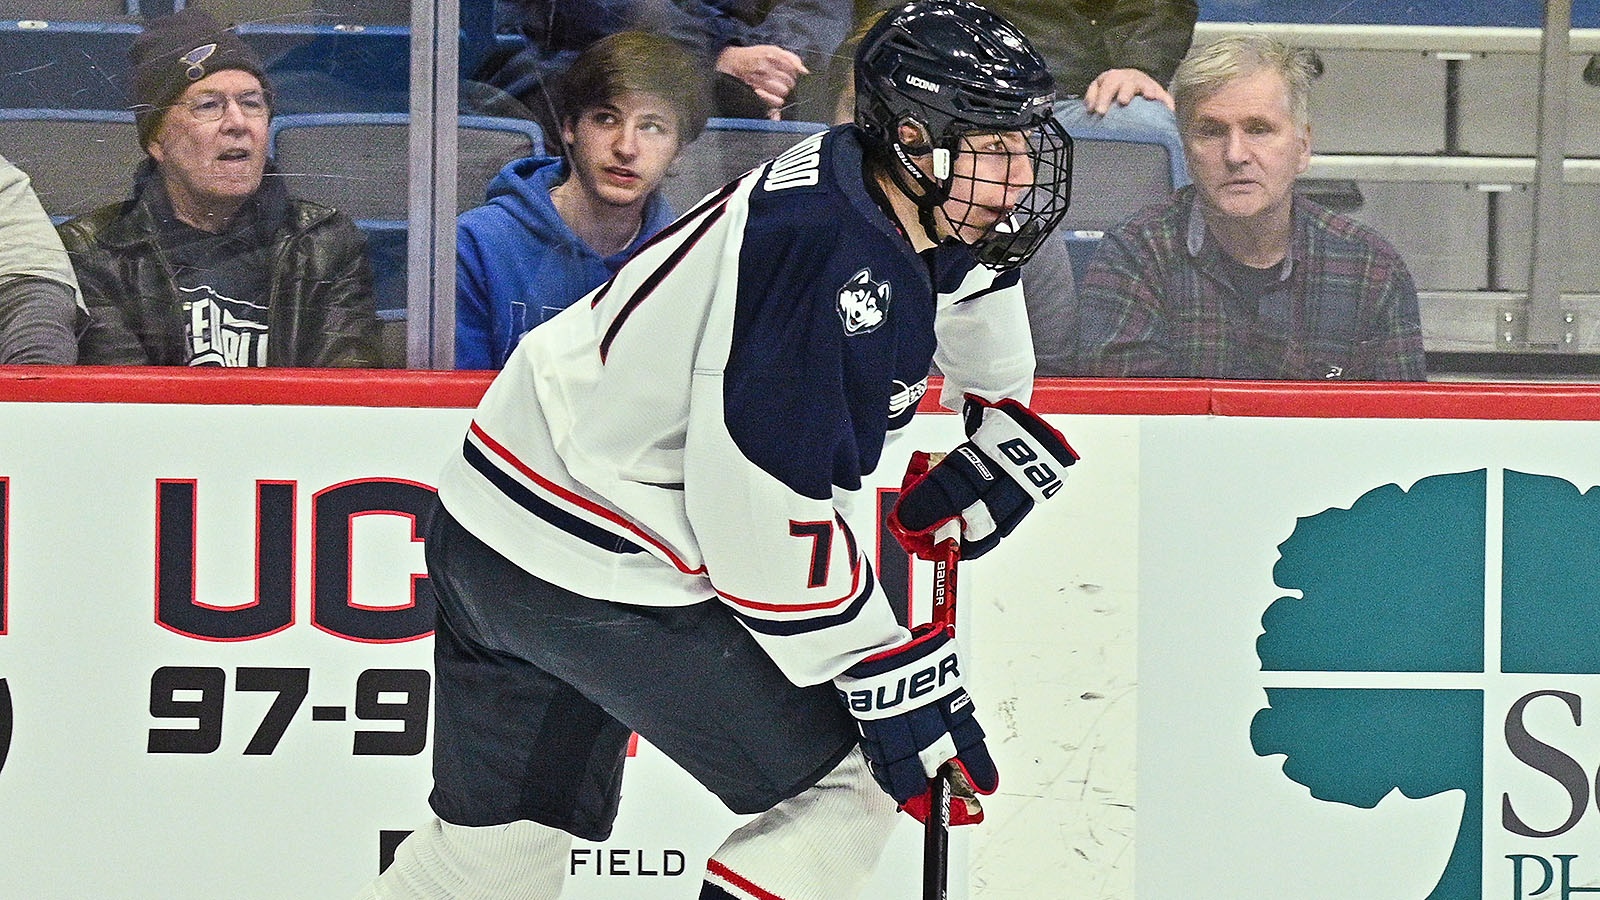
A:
(1251, 285)
(223, 285)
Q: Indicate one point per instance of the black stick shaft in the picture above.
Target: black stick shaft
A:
(936, 833)
(936, 841)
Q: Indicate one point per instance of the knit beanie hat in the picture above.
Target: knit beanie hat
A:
(175, 51)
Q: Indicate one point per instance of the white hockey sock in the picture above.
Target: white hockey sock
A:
(519, 861)
(820, 845)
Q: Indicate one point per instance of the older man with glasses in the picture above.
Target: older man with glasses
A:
(211, 262)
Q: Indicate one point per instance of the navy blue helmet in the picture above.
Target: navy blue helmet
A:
(952, 69)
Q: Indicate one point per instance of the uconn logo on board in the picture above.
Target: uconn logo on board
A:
(334, 512)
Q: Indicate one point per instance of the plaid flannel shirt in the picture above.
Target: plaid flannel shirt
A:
(1157, 301)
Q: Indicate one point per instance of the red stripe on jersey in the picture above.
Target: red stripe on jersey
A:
(594, 509)
(739, 881)
(855, 588)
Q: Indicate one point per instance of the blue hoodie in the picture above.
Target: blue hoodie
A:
(517, 262)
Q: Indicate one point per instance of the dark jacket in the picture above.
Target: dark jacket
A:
(321, 310)
(1082, 38)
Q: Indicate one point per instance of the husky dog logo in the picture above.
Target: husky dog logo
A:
(863, 303)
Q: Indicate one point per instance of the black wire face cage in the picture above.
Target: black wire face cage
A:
(1011, 240)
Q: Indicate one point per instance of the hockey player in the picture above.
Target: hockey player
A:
(643, 530)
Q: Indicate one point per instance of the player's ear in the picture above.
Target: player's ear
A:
(913, 136)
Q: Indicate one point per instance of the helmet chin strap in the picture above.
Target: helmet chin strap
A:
(928, 194)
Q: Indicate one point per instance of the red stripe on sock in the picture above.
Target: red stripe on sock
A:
(739, 881)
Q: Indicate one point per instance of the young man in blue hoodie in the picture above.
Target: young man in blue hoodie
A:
(556, 228)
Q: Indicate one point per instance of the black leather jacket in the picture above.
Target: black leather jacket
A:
(321, 310)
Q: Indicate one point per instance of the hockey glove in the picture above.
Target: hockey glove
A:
(1011, 459)
(914, 715)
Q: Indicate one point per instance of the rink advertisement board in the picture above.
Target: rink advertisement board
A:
(1366, 649)
(215, 657)
(1299, 641)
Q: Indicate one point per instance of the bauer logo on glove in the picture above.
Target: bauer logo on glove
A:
(915, 717)
(875, 696)
(1011, 460)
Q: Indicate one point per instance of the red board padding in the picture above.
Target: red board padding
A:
(1315, 399)
(1152, 396)
(291, 387)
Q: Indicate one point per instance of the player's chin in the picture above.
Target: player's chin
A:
(977, 225)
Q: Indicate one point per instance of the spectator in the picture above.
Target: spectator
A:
(39, 305)
(555, 229)
(761, 50)
(1112, 59)
(1048, 289)
(1236, 277)
(210, 263)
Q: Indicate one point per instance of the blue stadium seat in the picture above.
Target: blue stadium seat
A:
(1504, 13)
(1116, 173)
(65, 65)
(79, 159)
(357, 162)
(725, 150)
(334, 68)
(309, 12)
(66, 10)
(386, 250)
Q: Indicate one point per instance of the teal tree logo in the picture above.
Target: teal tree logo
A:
(1396, 584)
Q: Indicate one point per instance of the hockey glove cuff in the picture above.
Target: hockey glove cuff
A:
(1011, 460)
(914, 715)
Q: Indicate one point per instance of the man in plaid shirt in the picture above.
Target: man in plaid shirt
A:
(1235, 277)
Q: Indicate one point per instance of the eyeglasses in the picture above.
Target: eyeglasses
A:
(210, 106)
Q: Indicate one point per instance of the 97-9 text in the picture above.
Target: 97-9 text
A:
(198, 694)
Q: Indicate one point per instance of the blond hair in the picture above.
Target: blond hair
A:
(1209, 69)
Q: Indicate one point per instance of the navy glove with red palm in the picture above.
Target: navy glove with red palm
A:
(915, 716)
(1010, 460)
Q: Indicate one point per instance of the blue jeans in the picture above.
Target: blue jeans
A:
(1142, 118)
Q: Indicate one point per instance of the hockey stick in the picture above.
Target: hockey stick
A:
(936, 833)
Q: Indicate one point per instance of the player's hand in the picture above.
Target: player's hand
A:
(1011, 460)
(769, 70)
(915, 716)
(1120, 86)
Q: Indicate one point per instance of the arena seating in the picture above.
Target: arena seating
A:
(1428, 114)
(78, 159)
(349, 14)
(1495, 13)
(64, 10)
(1114, 175)
(1423, 121)
(726, 149)
(334, 68)
(64, 64)
(356, 162)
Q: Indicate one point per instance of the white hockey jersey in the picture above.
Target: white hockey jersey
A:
(689, 429)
